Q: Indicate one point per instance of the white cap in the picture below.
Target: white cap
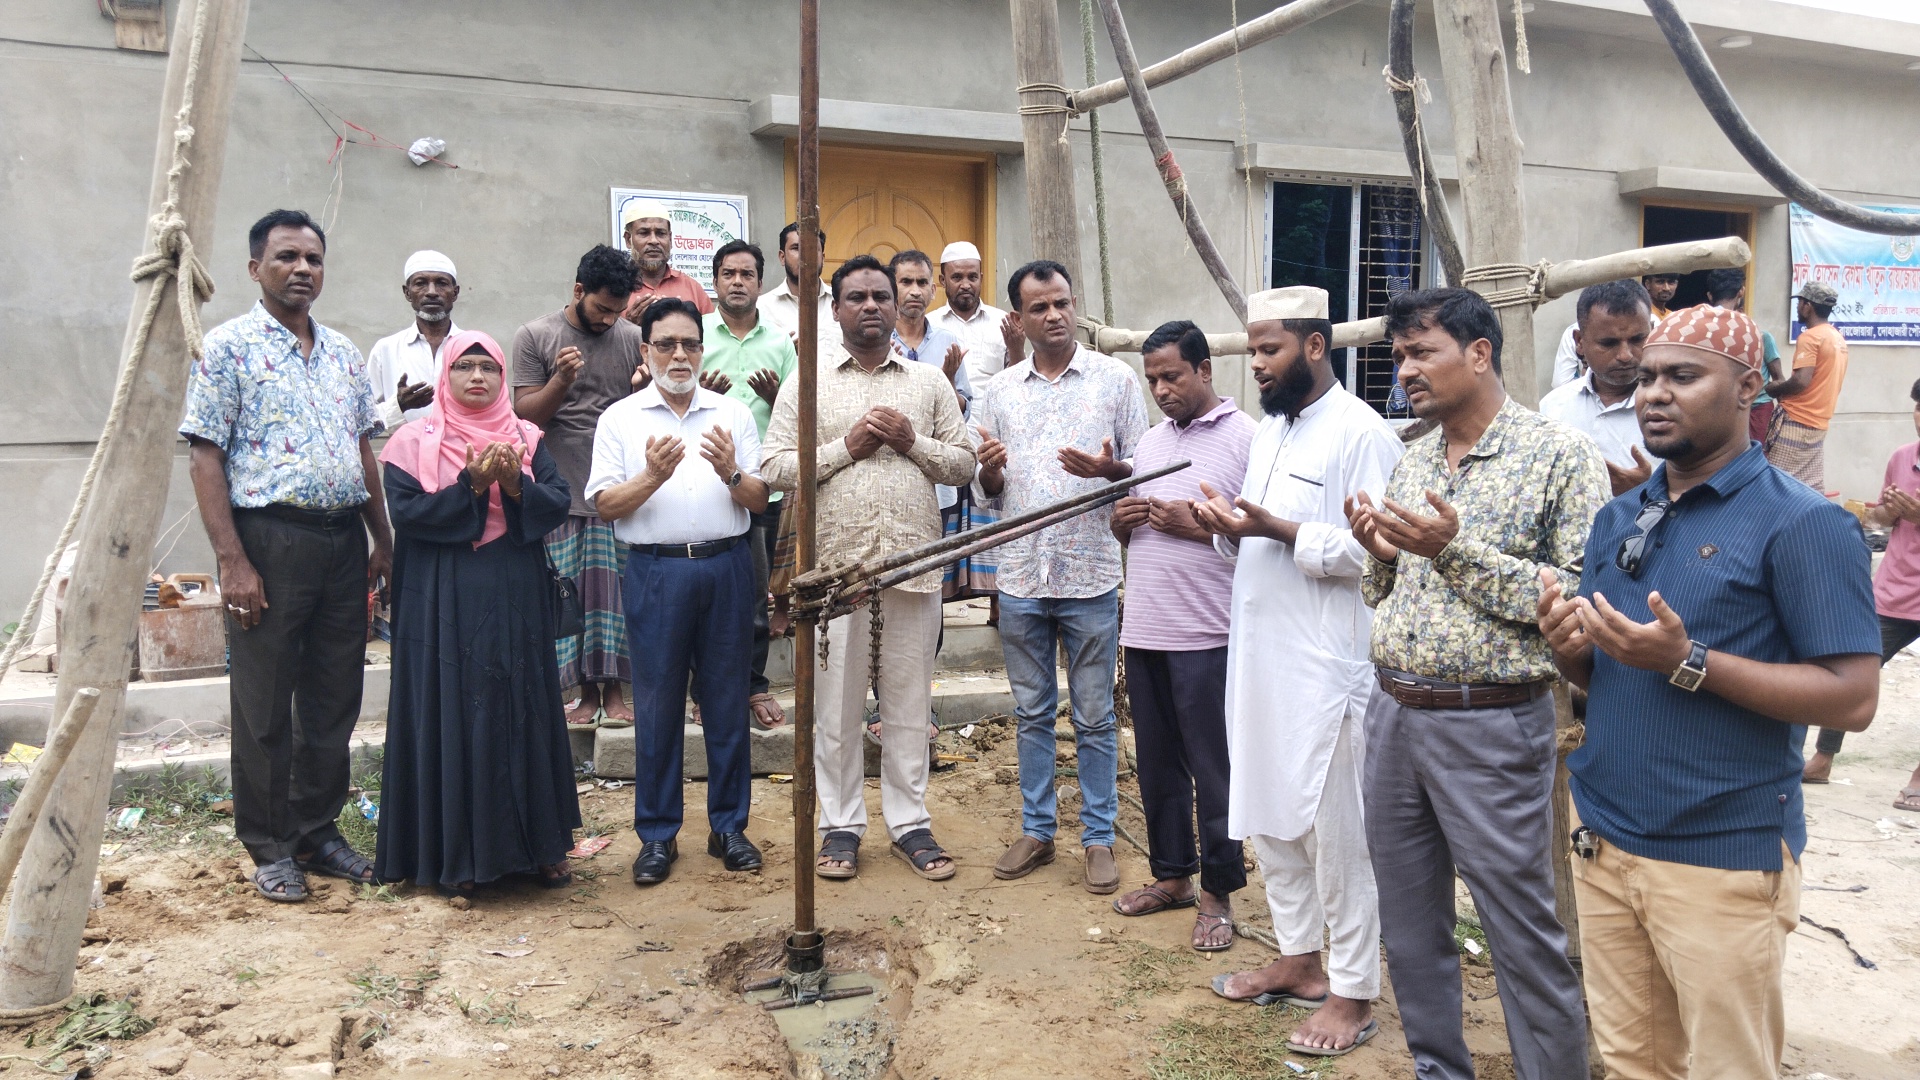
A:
(639, 209)
(959, 249)
(429, 260)
(1292, 302)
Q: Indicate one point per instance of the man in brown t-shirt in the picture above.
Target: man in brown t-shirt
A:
(567, 368)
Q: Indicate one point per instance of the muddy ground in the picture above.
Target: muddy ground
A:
(979, 978)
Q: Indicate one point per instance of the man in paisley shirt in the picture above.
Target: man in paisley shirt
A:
(1063, 422)
(1460, 740)
(280, 417)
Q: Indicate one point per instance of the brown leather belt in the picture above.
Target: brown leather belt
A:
(1425, 694)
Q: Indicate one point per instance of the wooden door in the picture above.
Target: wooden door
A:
(881, 202)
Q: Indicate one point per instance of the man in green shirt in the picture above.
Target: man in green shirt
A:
(756, 357)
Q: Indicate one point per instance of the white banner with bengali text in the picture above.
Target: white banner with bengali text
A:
(1877, 277)
(702, 224)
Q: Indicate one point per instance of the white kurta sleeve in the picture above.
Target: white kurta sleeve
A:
(1228, 547)
(1324, 549)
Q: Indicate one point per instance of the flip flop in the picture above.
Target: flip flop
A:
(1219, 921)
(1909, 800)
(1815, 780)
(766, 712)
(1168, 902)
(1359, 1039)
(1271, 997)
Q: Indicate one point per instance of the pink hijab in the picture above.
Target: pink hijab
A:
(433, 449)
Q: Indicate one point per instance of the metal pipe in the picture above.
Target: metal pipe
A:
(807, 215)
(1213, 50)
(874, 568)
(1170, 175)
(1733, 124)
(1433, 201)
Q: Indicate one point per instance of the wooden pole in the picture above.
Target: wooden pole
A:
(807, 215)
(98, 633)
(1474, 61)
(46, 769)
(1170, 175)
(1213, 50)
(1052, 210)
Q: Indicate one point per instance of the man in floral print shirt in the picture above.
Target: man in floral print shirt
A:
(1063, 422)
(1460, 741)
(280, 418)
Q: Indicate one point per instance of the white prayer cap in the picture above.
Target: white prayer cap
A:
(424, 261)
(640, 209)
(959, 249)
(1292, 302)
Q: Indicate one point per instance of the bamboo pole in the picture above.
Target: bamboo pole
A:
(1213, 50)
(807, 214)
(49, 910)
(1401, 83)
(1170, 175)
(1473, 59)
(46, 769)
(1053, 212)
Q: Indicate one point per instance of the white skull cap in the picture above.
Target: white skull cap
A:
(959, 249)
(641, 209)
(429, 259)
(1292, 302)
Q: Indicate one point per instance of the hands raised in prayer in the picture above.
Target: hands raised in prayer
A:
(1386, 533)
(495, 463)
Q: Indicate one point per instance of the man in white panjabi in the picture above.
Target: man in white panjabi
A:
(1296, 605)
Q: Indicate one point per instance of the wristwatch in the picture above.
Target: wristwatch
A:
(734, 480)
(1693, 670)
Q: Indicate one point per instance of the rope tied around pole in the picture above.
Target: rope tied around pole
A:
(1522, 59)
(1174, 180)
(171, 256)
(1064, 106)
(1423, 95)
(1531, 294)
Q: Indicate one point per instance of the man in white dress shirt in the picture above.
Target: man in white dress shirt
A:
(781, 307)
(689, 583)
(1611, 334)
(988, 332)
(405, 367)
(1297, 606)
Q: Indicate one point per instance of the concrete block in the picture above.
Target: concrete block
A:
(613, 752)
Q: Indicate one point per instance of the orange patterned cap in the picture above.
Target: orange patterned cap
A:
(1711, 329)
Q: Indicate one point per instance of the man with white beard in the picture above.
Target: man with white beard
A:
(405, 366)
(1297, 606)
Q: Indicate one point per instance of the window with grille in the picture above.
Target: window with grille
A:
(1361, 243)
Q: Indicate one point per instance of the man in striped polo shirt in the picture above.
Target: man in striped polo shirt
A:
(1723, 605)
(1174, 633)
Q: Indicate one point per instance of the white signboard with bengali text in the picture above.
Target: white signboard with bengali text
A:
(1877, 277)
(702, 223)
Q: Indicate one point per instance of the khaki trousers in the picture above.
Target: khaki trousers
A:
(909, 639)
(1683, 963)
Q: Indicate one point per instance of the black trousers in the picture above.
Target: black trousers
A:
(296, 681)
(1179, 704)
(764, 534)
(1895, 634)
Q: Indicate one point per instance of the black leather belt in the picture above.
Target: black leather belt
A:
(1418, 693)
(706, 549)
(329, 520)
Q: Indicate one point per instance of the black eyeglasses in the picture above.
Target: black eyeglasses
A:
(1633, 550)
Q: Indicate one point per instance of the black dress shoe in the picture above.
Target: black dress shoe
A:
(655, 861)
(734, 849)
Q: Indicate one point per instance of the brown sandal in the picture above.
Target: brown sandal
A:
(1153, 892)
(766, 711)
(1205, 925)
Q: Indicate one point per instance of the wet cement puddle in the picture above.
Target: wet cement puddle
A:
(851, 1038)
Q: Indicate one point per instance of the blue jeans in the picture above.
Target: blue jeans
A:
(678, 609)
(1090, 629)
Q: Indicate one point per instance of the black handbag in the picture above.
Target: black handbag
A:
(569, 612)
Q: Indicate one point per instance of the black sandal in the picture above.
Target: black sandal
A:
(556, 876)
(336, 858)
(285, 876)
(838, 846)
(920, 850)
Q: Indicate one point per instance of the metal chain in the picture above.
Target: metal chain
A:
(875, 622)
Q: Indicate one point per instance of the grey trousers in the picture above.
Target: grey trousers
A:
(1470, 789)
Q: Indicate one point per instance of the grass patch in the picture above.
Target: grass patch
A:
(179, 809)
(1216, 1043)
(91, 1021)
(399, 991)
(379, 894)
(1465, 929)
(1146, 970)
(488, 1010)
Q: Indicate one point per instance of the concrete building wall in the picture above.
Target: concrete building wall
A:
(544, 107)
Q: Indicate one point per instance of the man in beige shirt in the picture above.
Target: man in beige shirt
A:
(890, 429)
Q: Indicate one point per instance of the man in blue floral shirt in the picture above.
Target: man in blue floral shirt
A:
(280, 416)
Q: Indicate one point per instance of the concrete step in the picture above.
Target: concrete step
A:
(963, 647)
(958, 700)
